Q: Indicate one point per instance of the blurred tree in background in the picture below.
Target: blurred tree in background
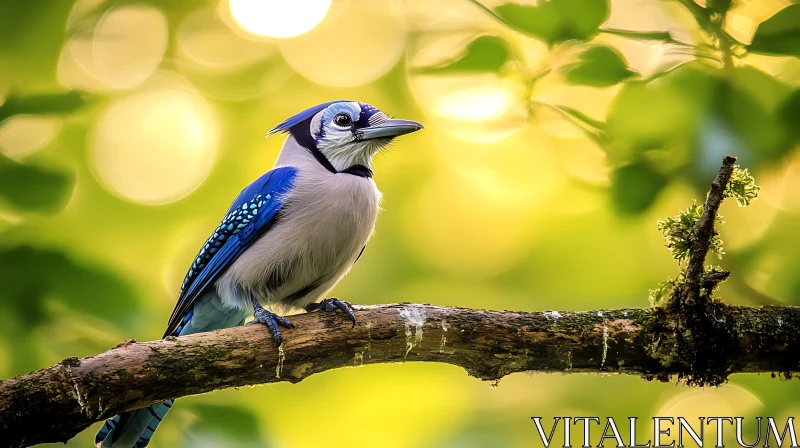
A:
(557, 132)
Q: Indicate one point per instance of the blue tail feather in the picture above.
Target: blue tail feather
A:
(109, 425)
(157, 411)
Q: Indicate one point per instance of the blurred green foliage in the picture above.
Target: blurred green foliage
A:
(537, 218)
(598, 66)
(484, 54)
(697, 110)
(555, 22)
(33, 188)
(780, 34)
(32, 276)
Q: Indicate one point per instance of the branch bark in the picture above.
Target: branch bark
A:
(55, 403)
(704, 229)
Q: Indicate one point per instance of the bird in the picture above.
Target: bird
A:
(287, 238)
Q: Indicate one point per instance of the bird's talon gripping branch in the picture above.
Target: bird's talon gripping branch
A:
(333, 304)
(272, 321)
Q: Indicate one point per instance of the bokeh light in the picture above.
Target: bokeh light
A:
(24, 134)
(479, 109)
(278, 18)
(476, 104)
(223, 62)
(357, 43)
(204, 38)
(122, 51)
(730, 399)
(154, 147)
(779, 186)
(129, 44)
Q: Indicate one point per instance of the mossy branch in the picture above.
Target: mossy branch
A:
(704, 234)
(54, 404)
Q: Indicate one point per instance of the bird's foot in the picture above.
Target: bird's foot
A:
(334, 304)
(272, 321)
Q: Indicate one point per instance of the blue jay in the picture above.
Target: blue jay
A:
(288, 238)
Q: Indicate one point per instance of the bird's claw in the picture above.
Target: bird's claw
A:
(272, 321)
(333, 304)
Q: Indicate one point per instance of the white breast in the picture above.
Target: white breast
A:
(325, 222)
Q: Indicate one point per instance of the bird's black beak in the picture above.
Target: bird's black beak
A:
(388, 129)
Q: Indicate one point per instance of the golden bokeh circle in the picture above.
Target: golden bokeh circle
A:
(356, 44)
(278, 18)
(22, 135)
(154, 147)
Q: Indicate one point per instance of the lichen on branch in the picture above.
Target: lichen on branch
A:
(679, 233)
(742, 187)
(703, 332)
(692, 234)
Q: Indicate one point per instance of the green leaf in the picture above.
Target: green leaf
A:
(47, 104)
(598, 66)
(556, 20)
(634, 187)
(33, 188)
(31, 275)
(788, 113)
(484, 54)
(662, 114)
(780, 34)
(765, 88)
(762, 136)
(594, 129)
(587, 121)
(657, 36)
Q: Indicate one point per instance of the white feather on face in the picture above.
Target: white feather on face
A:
(338, 143)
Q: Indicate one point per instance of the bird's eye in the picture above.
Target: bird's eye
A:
(342, 120)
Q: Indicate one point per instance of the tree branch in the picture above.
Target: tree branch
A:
(55, 403)
(704, 229)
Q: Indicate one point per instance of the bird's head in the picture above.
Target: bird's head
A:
(344, 135)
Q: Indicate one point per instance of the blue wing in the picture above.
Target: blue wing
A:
(253, 212)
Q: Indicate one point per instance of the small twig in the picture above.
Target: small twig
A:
(710, 280)
(654, 36)
(704, 228)
(491, 13)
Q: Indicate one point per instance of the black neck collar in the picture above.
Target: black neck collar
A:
(302, 134)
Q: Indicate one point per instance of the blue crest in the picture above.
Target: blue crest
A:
(286, 125)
